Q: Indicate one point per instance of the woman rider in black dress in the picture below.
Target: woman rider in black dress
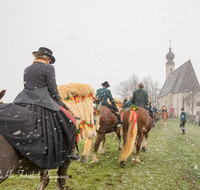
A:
(34, 124)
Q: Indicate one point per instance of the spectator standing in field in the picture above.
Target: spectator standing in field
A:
(183, 120)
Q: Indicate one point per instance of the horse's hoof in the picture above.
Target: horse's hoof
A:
(144, 149)
(137, 161)
(119, 148)
(101, 152)
(123, 163)
(94, 162)
(83, 159)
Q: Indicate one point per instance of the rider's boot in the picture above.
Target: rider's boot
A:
(73, 157)
(119, 122)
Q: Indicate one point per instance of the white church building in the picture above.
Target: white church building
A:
(181, 88)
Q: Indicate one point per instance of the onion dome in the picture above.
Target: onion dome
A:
(170, 56)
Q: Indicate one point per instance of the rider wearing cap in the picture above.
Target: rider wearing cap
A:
(140, 98)
(106, 93)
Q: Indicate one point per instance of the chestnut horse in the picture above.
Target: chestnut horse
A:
(12, 162)
(108, 124)
(142, 128)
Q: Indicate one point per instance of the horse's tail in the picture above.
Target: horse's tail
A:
(130, 139)
(87, 148)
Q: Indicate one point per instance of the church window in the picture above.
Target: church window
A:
(198, 113)
(198, 103)
(170, 69)
(187, 103)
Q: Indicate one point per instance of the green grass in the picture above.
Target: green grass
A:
(172, 161)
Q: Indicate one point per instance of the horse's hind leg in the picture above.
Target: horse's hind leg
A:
(100, 137)
(62, 171)
(101, 151)
(135, 144)
(44, 180)
(145, 143)
(119, 139)
(138, 145)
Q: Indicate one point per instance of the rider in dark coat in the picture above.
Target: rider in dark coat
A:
(125, 104)
(106, 93)
(155, 110)
(129, 104)
(140, 98)
(35, 125)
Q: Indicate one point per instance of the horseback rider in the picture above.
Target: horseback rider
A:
(129, 104)
(39, 129)
(140, 98)
(164, 109)
(155, 110)
(106, 93)
(125, 104)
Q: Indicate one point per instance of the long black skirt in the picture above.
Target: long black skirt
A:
(43, 136)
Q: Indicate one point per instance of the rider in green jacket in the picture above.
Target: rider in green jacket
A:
(140, 98)
(106, 93)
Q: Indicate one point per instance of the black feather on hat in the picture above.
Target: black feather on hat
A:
(47, 52)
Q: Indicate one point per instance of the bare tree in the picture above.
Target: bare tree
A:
(133, 83)
(152, 88)
(126, 88)
(122, 90)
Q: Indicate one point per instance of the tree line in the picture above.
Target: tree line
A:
(125, 89)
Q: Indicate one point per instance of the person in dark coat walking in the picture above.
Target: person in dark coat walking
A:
(183, 119)
(34, 124)
(106, 93)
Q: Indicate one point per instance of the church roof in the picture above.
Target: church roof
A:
(183, 79)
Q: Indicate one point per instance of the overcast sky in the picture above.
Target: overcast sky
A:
(97, 40)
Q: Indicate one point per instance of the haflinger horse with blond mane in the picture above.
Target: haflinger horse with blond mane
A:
(79, 100)
(107, 123)
(137, 122)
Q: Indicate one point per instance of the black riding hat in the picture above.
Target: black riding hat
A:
(47, 52)
(105, 84)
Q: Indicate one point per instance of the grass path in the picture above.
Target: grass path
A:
(172, 161)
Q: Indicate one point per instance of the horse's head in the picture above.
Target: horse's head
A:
(2, 93)
(98, 100)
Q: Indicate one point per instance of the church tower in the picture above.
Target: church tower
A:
(169, 64)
